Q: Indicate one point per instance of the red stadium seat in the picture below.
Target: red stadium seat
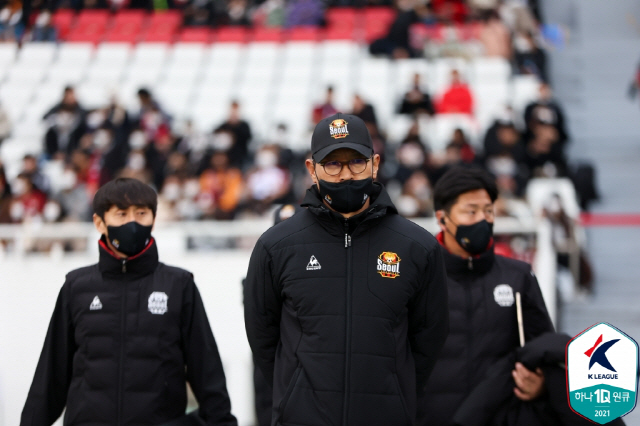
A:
(90, 26)
(342, 17)
(62, 20)
(195, 35)
(338, 33)
(162, 27)
(126, 26)
(267, 34)
(231, 35)
(306, 33)
(377, 21)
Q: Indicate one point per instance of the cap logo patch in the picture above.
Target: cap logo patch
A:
(338, 129)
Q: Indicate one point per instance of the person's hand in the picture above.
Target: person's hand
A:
(529, 384)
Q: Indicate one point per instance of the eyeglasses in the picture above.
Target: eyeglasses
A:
(356, 165)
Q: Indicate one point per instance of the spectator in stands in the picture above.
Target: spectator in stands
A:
(199, 13)
(545, 156)
(495, 37)
(28, 201)
(109, 153)
(11, 25)
(43, 30)
(304, 12)
(634, 87)
(31, 169)
(5, 197)
(267, 183)
(457, 98)
(237, 13)
(222, 186)
(396, 44)
(459, 140)
(415, 200)
(325, 109)
(67, 125)
(546, 110)
(137, 167)
(73, 197)
(364, 110)
(5, 124)
(168, 199)
(530, 58)
(417, 101)
(157, 156)
(411, 156)
(241, 132)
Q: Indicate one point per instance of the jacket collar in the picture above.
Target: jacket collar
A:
(380, 205)
(464, 266)
(136, 266)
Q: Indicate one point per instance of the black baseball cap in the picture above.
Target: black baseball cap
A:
(340, 131)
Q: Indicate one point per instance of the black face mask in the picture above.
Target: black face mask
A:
(474, 238)
(130, 238)
(348, 196)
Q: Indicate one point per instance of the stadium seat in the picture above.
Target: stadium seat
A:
(90, 26)
(195, 35)
(267, 34)
(489, 70)
(162, 26)
(540, 190)
(305, 33)
(62, 20)
(524, 89)
(342, 17)
(338, 33)
(299, 52)
(8, 53)
(75, 54)
(231, 35)
(377, 21)
(126, 26)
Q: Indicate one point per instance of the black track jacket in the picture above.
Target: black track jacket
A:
(483, 327)
(346, 317)
(124, 338)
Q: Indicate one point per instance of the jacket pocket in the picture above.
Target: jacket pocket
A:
(410, 419)
(287, 395)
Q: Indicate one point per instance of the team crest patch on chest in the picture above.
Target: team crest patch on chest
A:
(388, 264)
(158, 302)
(503, 295)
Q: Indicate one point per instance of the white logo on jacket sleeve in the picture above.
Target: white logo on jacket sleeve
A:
(96, 304)
(313, 264)
(158, 302)
(503, 295)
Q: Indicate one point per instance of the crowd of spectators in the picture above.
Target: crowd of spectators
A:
(228, 172)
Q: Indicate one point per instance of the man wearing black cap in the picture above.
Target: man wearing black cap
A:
(346, 301)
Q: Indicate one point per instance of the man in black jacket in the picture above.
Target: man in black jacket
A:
(345, 302)
(128, 332)
(482, 289)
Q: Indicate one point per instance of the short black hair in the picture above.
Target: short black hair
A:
(124, 193)
(459, 180)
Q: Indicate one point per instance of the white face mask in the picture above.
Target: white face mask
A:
(68, 180)
(95, 119)
(407, 206)
(222, 141)
(19, 187)
(171, 192)
(502, 166)
(51, 211)
(191, 189)
(102, 139)
(137, 140)
(411, 155)
(16, 211)
(266, 159)
(136, 162)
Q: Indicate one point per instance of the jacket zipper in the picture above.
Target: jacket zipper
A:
(470, 264)
(347, 361)
(469, 335)
(123, 328)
